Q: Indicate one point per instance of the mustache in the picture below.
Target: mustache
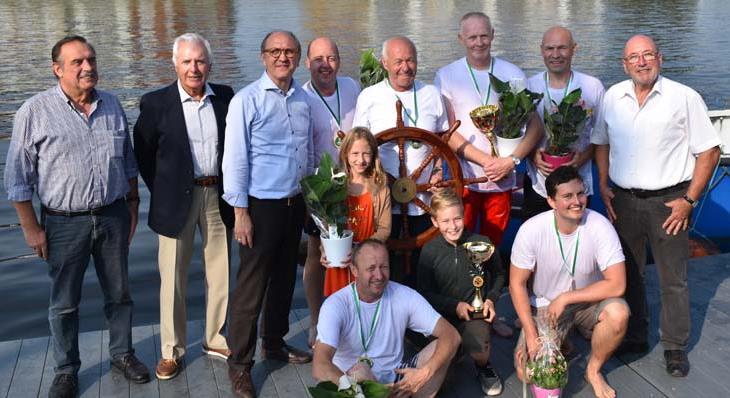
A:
(93, 75)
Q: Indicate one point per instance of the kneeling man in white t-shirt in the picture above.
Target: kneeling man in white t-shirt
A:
(574, 258)
(361, 329)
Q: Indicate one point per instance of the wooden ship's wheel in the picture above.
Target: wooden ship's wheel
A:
(404, 187)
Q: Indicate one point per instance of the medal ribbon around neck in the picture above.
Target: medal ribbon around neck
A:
(337, 91)
(415, 104)
(562, 253)
(488, 93)
(363, 339)
(547, 88)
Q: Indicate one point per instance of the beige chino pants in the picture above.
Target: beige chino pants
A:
(174, 258)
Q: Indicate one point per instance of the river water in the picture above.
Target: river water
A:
(133, 40)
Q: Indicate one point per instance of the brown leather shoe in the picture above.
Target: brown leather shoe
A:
(289, 354)
(241, 383)
(167, 369)
(222, 353)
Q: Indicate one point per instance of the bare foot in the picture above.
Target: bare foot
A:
(600, 388)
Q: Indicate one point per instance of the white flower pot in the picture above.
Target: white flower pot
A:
(338, 249)
(506, 146)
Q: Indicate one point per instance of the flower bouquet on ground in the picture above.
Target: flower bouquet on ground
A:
(371, 70)
(548, 371)
(325, 193)
(563, 125)
(349, 388)
(516, 104)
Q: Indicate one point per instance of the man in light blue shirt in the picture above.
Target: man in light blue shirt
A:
(268, 149)
(71, 147)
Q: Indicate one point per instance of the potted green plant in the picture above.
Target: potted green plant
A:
(516, 103)
(547, 372)
(349, 388)
(325, 193)
(563, 124)
(371, 70)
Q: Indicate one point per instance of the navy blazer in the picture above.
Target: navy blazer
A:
(164, 157)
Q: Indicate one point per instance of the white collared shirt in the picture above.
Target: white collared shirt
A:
(653, 146)
(202, 131)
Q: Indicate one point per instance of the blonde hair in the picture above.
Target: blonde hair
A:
(374, 171)
(444, 198)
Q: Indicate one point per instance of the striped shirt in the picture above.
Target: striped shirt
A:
(73, 162)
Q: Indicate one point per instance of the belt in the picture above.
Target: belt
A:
(206, 181)
(287, 201)
(647, 193)
(90, 212)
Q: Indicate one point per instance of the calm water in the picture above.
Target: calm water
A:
(133, 40)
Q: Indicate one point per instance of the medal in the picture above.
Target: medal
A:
(337, 138)
(365, 340)
(413, 120)
(339, 135)
(571, 270)
(416, 144)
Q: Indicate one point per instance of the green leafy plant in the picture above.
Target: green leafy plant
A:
(564, 123)
(549, 369)
(516, 103)
(371, 70)
(367, 389)
(325, 193)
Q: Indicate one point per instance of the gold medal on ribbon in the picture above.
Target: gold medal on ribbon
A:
(337, 138)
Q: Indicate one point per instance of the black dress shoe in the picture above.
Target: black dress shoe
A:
(677, 362)
(289, 354)
(64, 386)
(133, 369)
(241, 383)
(632, 347)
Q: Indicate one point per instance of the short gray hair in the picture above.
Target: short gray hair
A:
(474, 14)
(386, 43)
(191, 38)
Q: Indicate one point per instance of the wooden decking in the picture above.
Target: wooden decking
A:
(26, 366)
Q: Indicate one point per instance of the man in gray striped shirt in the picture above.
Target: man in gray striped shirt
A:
(71, 146)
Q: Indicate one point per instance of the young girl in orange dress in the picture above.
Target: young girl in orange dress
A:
(368, 199)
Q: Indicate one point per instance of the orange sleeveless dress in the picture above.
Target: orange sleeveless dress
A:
(360, 221)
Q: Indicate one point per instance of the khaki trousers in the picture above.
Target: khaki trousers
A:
(174, 258)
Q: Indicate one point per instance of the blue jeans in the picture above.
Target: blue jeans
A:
(71, 242)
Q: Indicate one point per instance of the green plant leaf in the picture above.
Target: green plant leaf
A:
(572, 97)
(499, 86)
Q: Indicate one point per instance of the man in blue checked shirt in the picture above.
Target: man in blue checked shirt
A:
(71, 147)
(268, 149)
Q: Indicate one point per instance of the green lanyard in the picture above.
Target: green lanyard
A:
(365, 340)
(476, 85)
(562, 254)
(415, 103)
(337, 91)
(547, 88)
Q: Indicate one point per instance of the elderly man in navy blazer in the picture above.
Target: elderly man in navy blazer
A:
(179, 147)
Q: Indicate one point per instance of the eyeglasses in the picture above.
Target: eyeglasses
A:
(648, 57)
(276, 52)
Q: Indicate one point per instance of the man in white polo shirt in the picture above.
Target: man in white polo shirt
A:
(557, 81)
(655, 142)
(465, 85)
(573, 258)
(332, 103)
(422, 108)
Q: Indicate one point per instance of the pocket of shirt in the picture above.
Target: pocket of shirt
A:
(118, 137)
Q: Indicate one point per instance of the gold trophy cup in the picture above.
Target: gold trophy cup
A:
(479, 253)
(485, 119)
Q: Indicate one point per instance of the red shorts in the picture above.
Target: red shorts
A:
(494, 208)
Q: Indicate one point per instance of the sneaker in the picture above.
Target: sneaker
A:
(677, 363)
(64, 386)
(490, 381)
(167, 369)
(222, 353)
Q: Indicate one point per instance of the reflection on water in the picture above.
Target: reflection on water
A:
(133, 37)
(133, 40)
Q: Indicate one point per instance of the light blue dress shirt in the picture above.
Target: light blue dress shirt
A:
(268, 147)
(73, 162)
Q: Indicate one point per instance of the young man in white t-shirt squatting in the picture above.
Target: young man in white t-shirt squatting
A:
(361, 329)
(574, 258)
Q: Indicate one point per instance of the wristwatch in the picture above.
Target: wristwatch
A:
(515, 160)
(689, 200)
